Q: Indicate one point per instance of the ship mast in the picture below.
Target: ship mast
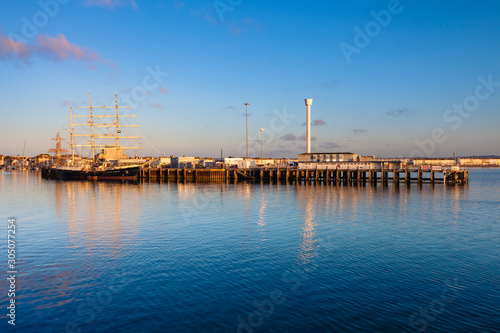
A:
(117, 132)
(91, 128)
(71, 135)
(58, 150)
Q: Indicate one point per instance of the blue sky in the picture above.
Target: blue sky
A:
(388, 78)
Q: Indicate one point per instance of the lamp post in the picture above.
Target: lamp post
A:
(246, 114)
(261, 131)
(221, 156)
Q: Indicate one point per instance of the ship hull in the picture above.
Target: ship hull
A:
(63, 174)
(121, 173)
(118, 173)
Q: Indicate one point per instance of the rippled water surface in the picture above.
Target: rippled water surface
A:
(167, 257)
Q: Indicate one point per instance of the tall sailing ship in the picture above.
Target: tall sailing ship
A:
(105, 134)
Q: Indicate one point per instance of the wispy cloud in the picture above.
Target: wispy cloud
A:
(111, 3)
(179, 5)
(247, 24)
(12, 50)
(157, 106)
(234, 29)
(404, 111)
(65, 103)
(288, 137)
(281, 152)
(59, 48)
(359, 131)
(55, 49)
(163, 90)
(204, 13)
(229, 107)
(253, 23)
(331, 145)
(303, 138)
(328, 84)
(317, 122)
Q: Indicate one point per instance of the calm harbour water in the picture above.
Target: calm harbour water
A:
(167, 257)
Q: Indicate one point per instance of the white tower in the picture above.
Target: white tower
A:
(308, 101)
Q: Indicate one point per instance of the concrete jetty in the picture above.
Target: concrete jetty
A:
(294, 174)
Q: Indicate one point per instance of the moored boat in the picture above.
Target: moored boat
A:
(110, 163)
(128, 172)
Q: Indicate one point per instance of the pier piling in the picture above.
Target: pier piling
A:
(293, 174)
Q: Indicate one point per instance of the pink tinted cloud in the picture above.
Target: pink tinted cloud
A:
(157, 106)
(111, 3)
(59, 48)
(332, 145)
(235, 29)
(244, 25)
(163, 90)
(179, 5)
(303, 138)
(359, 131)
(251, 22)
(203, 13)
(317, 122)
(53, 48)
(10, 49)
(288, 137)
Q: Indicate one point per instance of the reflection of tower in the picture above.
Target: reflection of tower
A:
(308, 246)
(309, 102)
(58, 150)
(262, 211)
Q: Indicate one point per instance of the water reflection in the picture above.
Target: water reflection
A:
(94, 214)
(248, 235)
(261, 223)
(327, 209)
(308, 246)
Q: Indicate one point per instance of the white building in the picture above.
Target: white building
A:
(327, 157)
(246, 164)
(165, 161)
(232, 161)
(183, 162)
(334, 160)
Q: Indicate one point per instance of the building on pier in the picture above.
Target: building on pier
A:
(327, 157)
(344, 160)
(181, 162)
(479, 161)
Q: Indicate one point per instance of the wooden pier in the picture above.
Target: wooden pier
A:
(293, 174)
